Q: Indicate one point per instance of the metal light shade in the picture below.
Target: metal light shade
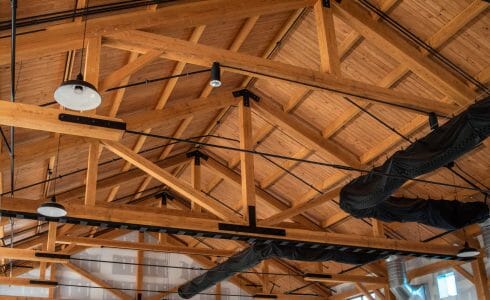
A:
(77, 95)
(52, 209)
(215, 75)
(467, 251)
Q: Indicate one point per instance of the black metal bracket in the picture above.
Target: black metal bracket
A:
(264, 296)
(246, 94)
(433, 122)
(197, 156)
(52, 255)
(92, 121)
(43, 282)
(252, 226)
(165, 197)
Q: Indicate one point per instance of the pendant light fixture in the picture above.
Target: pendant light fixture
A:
(467, 251)
(78, 94)
(215, 75)
(51, 208)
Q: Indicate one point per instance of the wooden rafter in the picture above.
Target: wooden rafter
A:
(64, 37)
(181, 50)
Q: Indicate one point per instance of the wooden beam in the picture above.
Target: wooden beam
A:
(180, 110)
(118, 95)
(68, 36)
(206, 91)
(45, 148)
(246, 159)
(269, 200)
(457, 23)
(325, 28)
(92, 170)
(29, 255)
(300, 208)
(329, 278)
(175, 184)
(391, 42)
(364, 291)
(108, 243)
(116, 77)
(46, 119)
(341, 215)
(125, 177)
(298, 129)
(182, 223)
(119, 294)
(378, 228)
(162, 101)
(24, 282)
(241, 63)
(481, 279)
(274, 176)
(49, 247)
(196, 180)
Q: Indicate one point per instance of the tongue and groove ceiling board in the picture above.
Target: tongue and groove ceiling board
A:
(302, 122)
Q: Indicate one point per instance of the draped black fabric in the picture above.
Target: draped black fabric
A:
(256, 253)
(370, 195)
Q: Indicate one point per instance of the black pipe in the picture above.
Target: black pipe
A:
(13, 4)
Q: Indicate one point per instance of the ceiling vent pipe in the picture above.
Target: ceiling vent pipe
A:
(485, 231)
(399, 285)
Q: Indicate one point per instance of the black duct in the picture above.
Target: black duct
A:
(256, 253)
(369, 196)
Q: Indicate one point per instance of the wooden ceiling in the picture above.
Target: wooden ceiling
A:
(345, 47)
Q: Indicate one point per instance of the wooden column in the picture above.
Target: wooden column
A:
(265, 277)
(48, 246)
(378, 229)
(481, 280)
(52, 277)
(218, 291)
(91, 75)
(246, 159)
(329, 54)
(196, 178)
(92, 169)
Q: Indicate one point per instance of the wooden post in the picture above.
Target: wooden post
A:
(481, 280)
(329, 54)
(246, 159)
(378, 229)
(196, 179)
(48, 246)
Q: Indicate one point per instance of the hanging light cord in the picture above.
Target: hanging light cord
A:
(56, 164)
(84, 33)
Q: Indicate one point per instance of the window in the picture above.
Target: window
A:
(363, 297)
(446, 283)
